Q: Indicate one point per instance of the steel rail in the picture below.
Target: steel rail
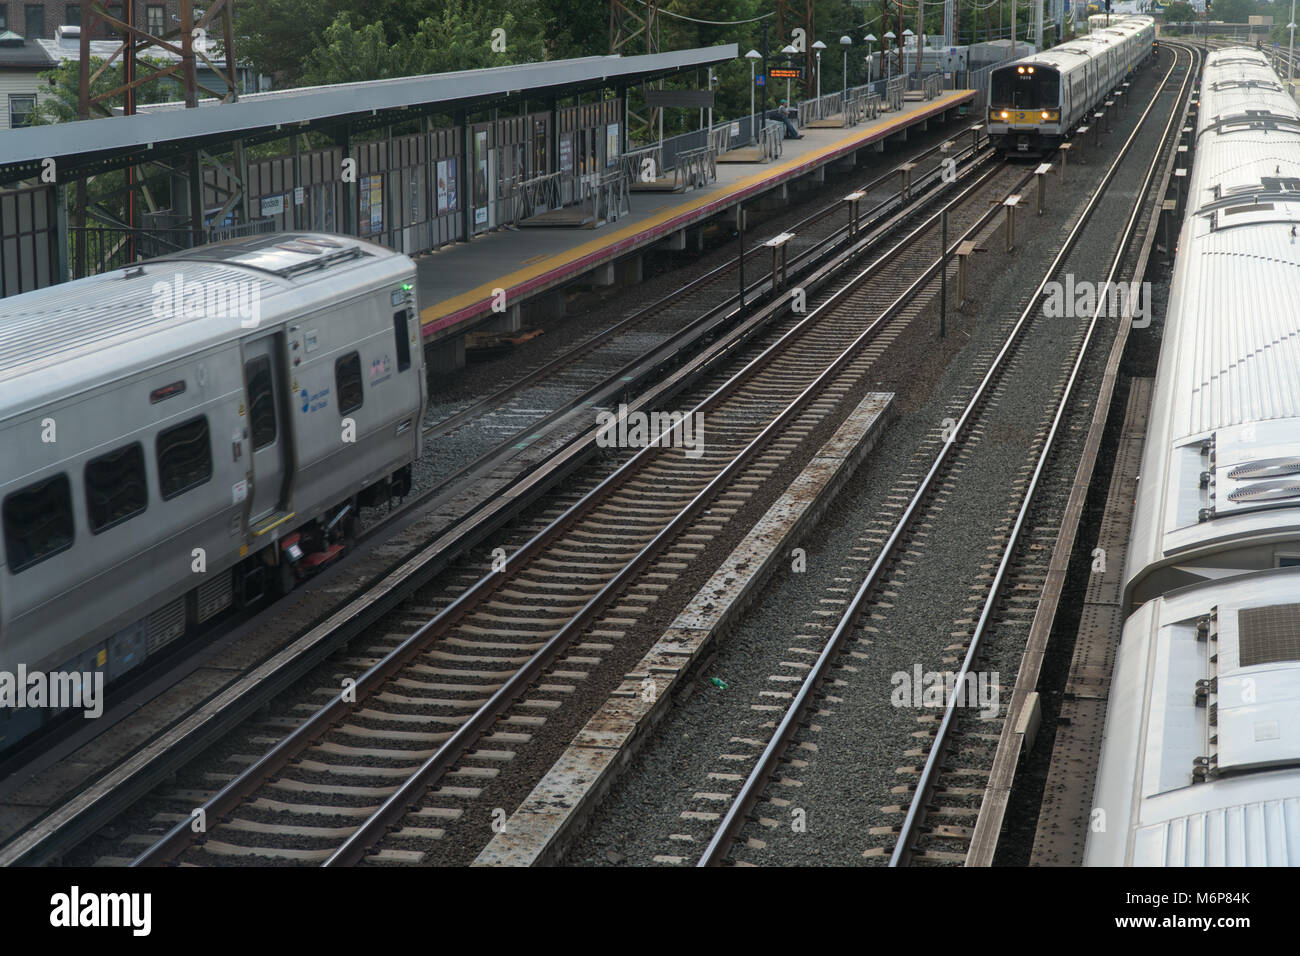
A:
(878, 223)
(762, 771)
(355, 847)
(81, 821)
(915, 810)
(988, 824)
(800, 262)
(181, 836)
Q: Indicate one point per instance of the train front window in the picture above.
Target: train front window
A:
(1014, 90)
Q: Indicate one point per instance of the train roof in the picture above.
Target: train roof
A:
(1247, 813)
(71, 336)
(1075, 52)
(1226, 412)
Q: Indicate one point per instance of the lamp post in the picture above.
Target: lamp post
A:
(753, 56)
(890, 36)
(870, 39)
(819, 46)
(846, 41)
(902, 67)
(789, 51)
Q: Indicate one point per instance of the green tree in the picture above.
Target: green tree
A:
(573, 28)
(459, 37)
(58, 102)
(1232, 11)
(276, 36)
(1178, 12)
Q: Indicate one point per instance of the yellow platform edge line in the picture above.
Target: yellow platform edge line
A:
(446, 307)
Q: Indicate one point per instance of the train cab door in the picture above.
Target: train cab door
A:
(267, 435)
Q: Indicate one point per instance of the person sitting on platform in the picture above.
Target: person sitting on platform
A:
(791, 132)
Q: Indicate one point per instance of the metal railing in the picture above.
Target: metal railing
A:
(894, 89)
(539, 194)
(695, 168)
(932, 85)
(820, 108)
(610, 196)
(862, 106)
(770, 140)
(720, 139)
(637, 169)
(96, 249)
(720, 136)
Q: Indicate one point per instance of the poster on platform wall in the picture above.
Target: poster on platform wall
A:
(453, 185)
(566, 154)
(611, 144)
(377, 203)
(480, 177)
(443, 205)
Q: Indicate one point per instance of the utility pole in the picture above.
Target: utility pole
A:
(1290, 60)
(1013, 28)
(920, 36)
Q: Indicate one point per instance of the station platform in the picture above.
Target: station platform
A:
(456, 284)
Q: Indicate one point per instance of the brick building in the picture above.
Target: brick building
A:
(38, 20)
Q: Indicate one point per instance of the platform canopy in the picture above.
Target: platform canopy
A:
(166, 129)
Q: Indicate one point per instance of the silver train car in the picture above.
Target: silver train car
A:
(1035, 102)
(1200, 761)
(191, 436)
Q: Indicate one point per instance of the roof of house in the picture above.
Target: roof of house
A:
(19, 54)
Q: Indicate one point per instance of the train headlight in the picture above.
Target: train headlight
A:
(1031, 69)
(1005, 114)
(1020, 69)
(1046, 115)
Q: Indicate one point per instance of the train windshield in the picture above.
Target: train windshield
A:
(1013, 89)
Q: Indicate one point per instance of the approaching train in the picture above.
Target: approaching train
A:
(192, 435)
(1035, 102)
(1200, 762)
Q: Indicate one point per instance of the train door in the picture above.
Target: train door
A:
(263, 386)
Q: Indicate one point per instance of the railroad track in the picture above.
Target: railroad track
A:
(438, 718)
(610, 365)
(928, 566)
(882, 214)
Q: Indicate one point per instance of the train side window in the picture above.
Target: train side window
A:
(347, 379)
(261, 401)
(184, 457)
(38, 522)
(115, 487)
(403, 340)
